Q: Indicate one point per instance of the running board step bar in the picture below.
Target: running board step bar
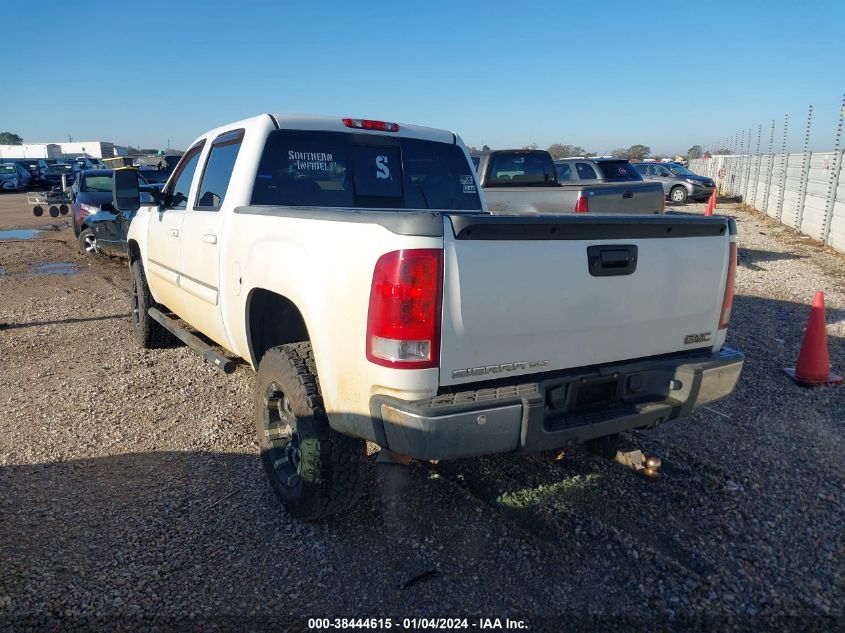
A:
(222, 363)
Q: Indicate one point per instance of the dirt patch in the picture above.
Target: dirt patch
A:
(130, 485)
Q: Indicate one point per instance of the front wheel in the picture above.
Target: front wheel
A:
(314, 470)
(148, 332)
(678, 195)
(87, 242)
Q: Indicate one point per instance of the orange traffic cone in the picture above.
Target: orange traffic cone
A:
(711, 204)
(813, 367)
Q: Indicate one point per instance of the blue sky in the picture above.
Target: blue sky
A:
(596, 74)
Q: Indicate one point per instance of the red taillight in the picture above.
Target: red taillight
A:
(368, 124)
(403, 324)
(583, 205)
(728, 301)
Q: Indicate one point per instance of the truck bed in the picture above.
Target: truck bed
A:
(630, 198)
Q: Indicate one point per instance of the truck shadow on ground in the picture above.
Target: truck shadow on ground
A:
(109, 317)
(750, 257)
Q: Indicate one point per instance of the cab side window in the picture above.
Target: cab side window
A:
(218, 170)
(178, 193)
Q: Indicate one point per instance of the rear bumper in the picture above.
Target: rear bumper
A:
(542, 415)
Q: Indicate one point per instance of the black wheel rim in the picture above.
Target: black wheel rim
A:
(281, 436)
(136, 309)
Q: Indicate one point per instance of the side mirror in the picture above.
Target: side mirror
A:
(126, 195)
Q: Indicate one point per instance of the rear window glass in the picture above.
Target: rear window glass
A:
(618, 170)
(338, 169)
(7, 169)
(101, 184)
(521, 169)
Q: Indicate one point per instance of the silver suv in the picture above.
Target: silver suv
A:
(679, 183)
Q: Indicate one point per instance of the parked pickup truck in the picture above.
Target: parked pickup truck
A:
(354, 265)
(526, 182)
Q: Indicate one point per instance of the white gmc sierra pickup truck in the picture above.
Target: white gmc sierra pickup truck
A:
(352, 263)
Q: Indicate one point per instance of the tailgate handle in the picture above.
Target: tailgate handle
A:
(628, 194)
(612, 259)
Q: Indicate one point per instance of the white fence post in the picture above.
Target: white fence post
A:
(771, 169)
(783, 169)
(834, 176)
(805, 172)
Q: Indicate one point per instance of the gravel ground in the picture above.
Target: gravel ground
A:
(131, 494)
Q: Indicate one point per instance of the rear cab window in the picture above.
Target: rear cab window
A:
(354, 170)
(521, 169)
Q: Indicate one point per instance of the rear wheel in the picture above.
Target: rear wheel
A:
(314, 470)
(148, 332)
(678, 195)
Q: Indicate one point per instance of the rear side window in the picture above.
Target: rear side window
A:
(339, 169)
(585, 171)
(218, 170)
(618, 170)
(521, 169)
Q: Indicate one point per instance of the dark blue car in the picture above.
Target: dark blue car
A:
(105, 230)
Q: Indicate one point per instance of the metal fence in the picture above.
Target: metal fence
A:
(804, 190)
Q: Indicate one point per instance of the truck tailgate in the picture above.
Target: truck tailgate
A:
(525, 295)
(631, 198)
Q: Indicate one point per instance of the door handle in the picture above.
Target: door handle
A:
(173, 232)
(628, 194)
(209, 238)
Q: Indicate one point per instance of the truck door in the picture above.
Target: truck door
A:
(202, 235)
(163, 240)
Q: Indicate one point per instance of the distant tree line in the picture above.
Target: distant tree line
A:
(565, 150)
(9, 138)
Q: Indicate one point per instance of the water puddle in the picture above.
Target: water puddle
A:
(54, 268)
(20, 234)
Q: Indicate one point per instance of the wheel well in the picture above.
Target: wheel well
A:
(272, 320)
(134, 251)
